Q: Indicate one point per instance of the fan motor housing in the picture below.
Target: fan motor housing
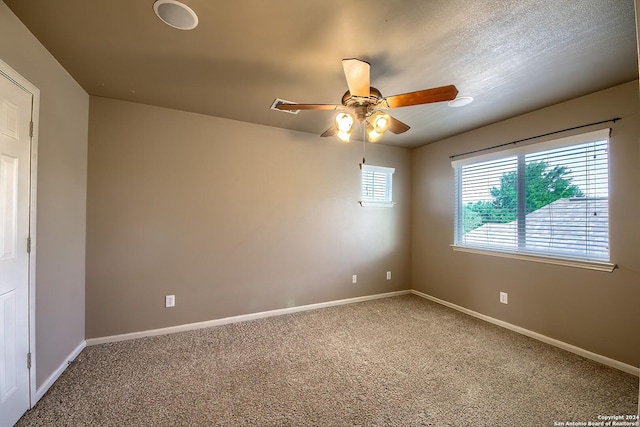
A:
(362, 105)
(352, 101)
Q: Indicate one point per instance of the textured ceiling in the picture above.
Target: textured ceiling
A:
(512, 56)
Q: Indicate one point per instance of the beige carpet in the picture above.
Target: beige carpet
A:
(400, 361)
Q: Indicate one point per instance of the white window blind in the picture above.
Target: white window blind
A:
(548, 199)
(377, 186)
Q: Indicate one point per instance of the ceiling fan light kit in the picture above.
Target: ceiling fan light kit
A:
(372, 134)
(175, 14)
(380, 121)
(344, 136)
(366, 105)
(344, 124)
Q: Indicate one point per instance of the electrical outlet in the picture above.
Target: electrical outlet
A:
(388, 275)
(170, 301)
(354, 278)
(504, 297)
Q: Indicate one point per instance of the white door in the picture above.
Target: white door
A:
(15, 152)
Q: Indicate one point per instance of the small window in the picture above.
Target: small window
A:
(548, 200)
(377, 184)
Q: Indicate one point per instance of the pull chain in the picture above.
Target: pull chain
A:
(364, 140)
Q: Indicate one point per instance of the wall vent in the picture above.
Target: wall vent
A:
(279, 101)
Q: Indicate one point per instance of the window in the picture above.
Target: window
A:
(546, 200)
(377, 184)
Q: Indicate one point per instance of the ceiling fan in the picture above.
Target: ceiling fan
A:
(363, 103)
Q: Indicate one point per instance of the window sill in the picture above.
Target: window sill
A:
(377, 204)
(567, 262)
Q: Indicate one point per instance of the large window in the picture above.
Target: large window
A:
(548, 199)
(377, 186)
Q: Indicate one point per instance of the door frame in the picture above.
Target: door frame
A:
(18, 79)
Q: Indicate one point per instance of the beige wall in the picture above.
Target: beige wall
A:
(232, 218)
(61, 192)
(593, 310)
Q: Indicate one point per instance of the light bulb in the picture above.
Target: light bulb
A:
(344, 136)
(373, 134)
(380, 122)
(344, 122)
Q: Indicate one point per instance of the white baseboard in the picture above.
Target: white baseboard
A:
(40, 391)
(235, 319)
(252, 316)
(557, 343)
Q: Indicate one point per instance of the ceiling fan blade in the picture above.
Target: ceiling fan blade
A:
(331, 131)
(426, 96)
(358, 75)
(309, 107)
(397, 126)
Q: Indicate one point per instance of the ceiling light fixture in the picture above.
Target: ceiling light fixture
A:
(372, 134)
(380, 121)
(377, 125)
(344, 124)
(175, 14)
(460, 101)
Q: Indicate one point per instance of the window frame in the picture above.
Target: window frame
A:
(520, 253)
(388, 186)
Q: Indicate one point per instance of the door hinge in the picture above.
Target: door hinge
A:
(28, 360)
(28, 245)
(31, 129)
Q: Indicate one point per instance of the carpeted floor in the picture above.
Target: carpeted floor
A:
(401, 361)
